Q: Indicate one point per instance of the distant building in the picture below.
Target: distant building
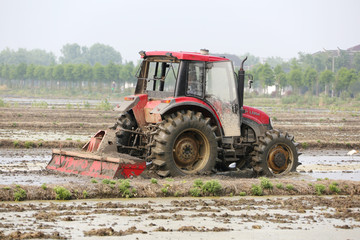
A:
(338, 52)
(354, 49)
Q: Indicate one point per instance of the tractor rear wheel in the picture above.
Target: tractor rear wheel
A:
(124, 138)
(276, 154)
(185, 144)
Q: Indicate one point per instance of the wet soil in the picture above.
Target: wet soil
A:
(291, 209)
(310, 217)
(47, 127)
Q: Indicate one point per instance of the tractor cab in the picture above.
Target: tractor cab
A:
(194, 78)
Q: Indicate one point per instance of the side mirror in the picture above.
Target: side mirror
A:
(250, 81)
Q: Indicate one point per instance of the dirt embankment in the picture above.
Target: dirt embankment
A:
(176, 187)
(39, 127)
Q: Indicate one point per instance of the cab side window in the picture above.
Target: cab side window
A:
(195, 79)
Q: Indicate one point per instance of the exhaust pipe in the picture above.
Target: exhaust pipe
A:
(240, 91)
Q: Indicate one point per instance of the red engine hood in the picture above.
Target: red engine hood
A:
(256, 115)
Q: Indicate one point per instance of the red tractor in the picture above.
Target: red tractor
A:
(187, 117)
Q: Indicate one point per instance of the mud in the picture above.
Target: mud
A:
(101, 209)
(300, 217)
(48, 127)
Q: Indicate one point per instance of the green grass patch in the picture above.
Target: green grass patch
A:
(62, 193)
(104, 105)
(319, 189)
(256, 190)
(165, 189)
(333, 187)
(41, 104)
(85, 194)
(29, 144)
(3, 103)
(125, 189)
(265, 183)
(16, 143)
(195, 192)
(19, 194)
(212, 187)
(106, 181)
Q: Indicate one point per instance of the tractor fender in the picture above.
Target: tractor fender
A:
(126, 105)
(136, 103)
(258, 128)
(206, 110)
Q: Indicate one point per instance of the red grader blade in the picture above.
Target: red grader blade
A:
(98, 158)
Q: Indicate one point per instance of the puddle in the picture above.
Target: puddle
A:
(30, 135)
(26, 166)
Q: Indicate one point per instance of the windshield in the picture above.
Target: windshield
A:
(221, 93)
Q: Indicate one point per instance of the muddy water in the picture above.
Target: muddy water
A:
(332, 164)
(188, 218)
(26, 166)
(34, 135)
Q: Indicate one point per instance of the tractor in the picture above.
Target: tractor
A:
(187, 117)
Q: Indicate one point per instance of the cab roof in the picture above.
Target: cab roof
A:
(194, 56)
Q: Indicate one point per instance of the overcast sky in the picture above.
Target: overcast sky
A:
(262, 27)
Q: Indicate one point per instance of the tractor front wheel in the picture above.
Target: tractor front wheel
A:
(276, 154)
(185, 144)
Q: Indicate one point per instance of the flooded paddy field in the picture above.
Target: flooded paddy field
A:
(292, 209)
(300, 217)
(27, 166)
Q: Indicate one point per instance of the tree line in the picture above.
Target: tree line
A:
(314, 74)
(333, 73)
(66, 76)
(70, 53)
(85, 68)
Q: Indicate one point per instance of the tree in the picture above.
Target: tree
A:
(71, 53)
(99, 75)
(266, 76)
(127, 73)
(274, 61)
(344, 78)
(356, 62)
(36, 56)
(310, 78)
(342, 60)
(21, 71)
(326, 78)
(295, 78)
(280, 79)
(103, 54)
(58, 74)
(112, 72)
(87, 74)
(39, 73)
